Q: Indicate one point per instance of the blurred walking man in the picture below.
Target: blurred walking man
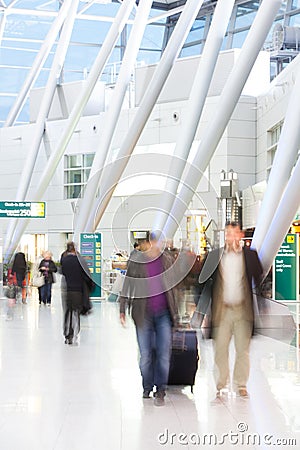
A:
(154, 312)
(232, 307)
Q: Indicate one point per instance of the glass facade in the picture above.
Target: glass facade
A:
(25, 24)
(273, 138)
(245, 14)
(76, 174)
(295, 4)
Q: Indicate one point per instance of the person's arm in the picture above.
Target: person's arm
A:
(257, 270)
(125, 292)
(53, 267)
(86, 274)
(123, 302)
(210, 265)
(123, 319)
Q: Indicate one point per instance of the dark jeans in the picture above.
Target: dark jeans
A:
(20, 278)
(46, 291)
(72, 314)
(154, 340)
(40, 296)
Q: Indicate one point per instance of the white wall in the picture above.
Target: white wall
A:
(65, 96)
(182, 74)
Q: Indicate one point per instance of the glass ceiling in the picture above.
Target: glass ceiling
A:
(25, 24)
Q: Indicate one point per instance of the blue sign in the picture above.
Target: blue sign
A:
(91, 250)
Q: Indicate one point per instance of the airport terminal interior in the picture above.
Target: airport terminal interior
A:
(58, 397)
(117, 118)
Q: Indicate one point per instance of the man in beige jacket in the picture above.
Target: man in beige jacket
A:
(234, 272)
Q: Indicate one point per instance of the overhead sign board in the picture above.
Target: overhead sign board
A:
(286, 270)
(22, 209)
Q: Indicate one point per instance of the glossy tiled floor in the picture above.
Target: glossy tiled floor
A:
(58, 397)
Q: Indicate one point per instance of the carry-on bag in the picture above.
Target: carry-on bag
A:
(184, 358)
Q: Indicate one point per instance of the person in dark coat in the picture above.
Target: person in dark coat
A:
(154, 312)
(19, 268)
(78, 285)
(47, 267)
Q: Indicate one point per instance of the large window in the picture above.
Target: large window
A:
(25, 25)
(246, 13)
(195, 40)
(76, 174)
(295, 4)
(273, 138)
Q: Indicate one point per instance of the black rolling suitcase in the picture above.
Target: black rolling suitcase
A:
(184, 358)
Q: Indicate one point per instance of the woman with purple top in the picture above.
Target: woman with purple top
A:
(154, 312)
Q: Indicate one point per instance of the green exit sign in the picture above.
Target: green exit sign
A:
(286, 270)
(22, 209)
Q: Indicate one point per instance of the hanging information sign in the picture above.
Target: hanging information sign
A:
(90, 249)
(22, 209)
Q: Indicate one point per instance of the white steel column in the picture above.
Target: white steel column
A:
(195, 105)
(44, 108)
(38, 64)
(148, 101)
(227, 102)
(55, 157)
(285, 157)
(112, 115)
(282, 219)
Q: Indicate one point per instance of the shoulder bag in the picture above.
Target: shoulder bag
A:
(38, 280)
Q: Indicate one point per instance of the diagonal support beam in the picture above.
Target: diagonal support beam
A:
(195, 106)
(95, 73)
(228, 100)
(112, 115)
(37, 65)
(44, 109)
(282, 219)
(285, 157)
(148, 101)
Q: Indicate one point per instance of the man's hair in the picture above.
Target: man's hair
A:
(232, 223)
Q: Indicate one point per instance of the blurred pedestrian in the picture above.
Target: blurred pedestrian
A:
(154, 312)
(35, 273)
(136, 248)
(232, 272)
(48, 268)
(78, 285)
(19, 268)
